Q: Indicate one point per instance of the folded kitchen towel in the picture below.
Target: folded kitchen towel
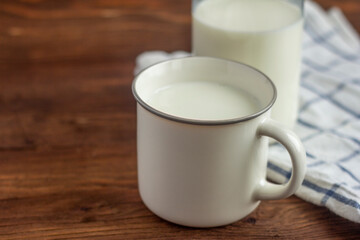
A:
(329, 113)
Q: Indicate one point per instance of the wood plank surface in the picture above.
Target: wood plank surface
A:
(68, 133)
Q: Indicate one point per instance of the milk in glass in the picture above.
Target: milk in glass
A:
(265, 34)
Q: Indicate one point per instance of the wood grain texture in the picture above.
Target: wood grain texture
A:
(91, 30)
(68, 133)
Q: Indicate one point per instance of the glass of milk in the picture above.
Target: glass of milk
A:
(265, 34)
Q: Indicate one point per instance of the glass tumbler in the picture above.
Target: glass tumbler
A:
(265, 34)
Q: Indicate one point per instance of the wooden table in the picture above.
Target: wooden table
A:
(68, 133)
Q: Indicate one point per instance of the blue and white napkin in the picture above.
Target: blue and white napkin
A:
(329, 113)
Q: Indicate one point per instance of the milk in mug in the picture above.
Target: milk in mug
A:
(265, 34)
(203, 100)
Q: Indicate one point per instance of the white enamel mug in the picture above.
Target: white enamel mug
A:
(207, 173)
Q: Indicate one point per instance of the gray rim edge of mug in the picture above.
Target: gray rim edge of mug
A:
(203, 122)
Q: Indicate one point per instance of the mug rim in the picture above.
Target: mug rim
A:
(199, 121)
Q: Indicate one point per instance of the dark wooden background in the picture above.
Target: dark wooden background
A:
(67, 125)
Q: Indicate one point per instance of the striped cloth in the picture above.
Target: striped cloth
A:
(329, 113)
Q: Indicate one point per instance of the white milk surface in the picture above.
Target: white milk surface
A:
(265, 34)
(203, 101)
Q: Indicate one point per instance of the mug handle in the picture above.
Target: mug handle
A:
(271, 191)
